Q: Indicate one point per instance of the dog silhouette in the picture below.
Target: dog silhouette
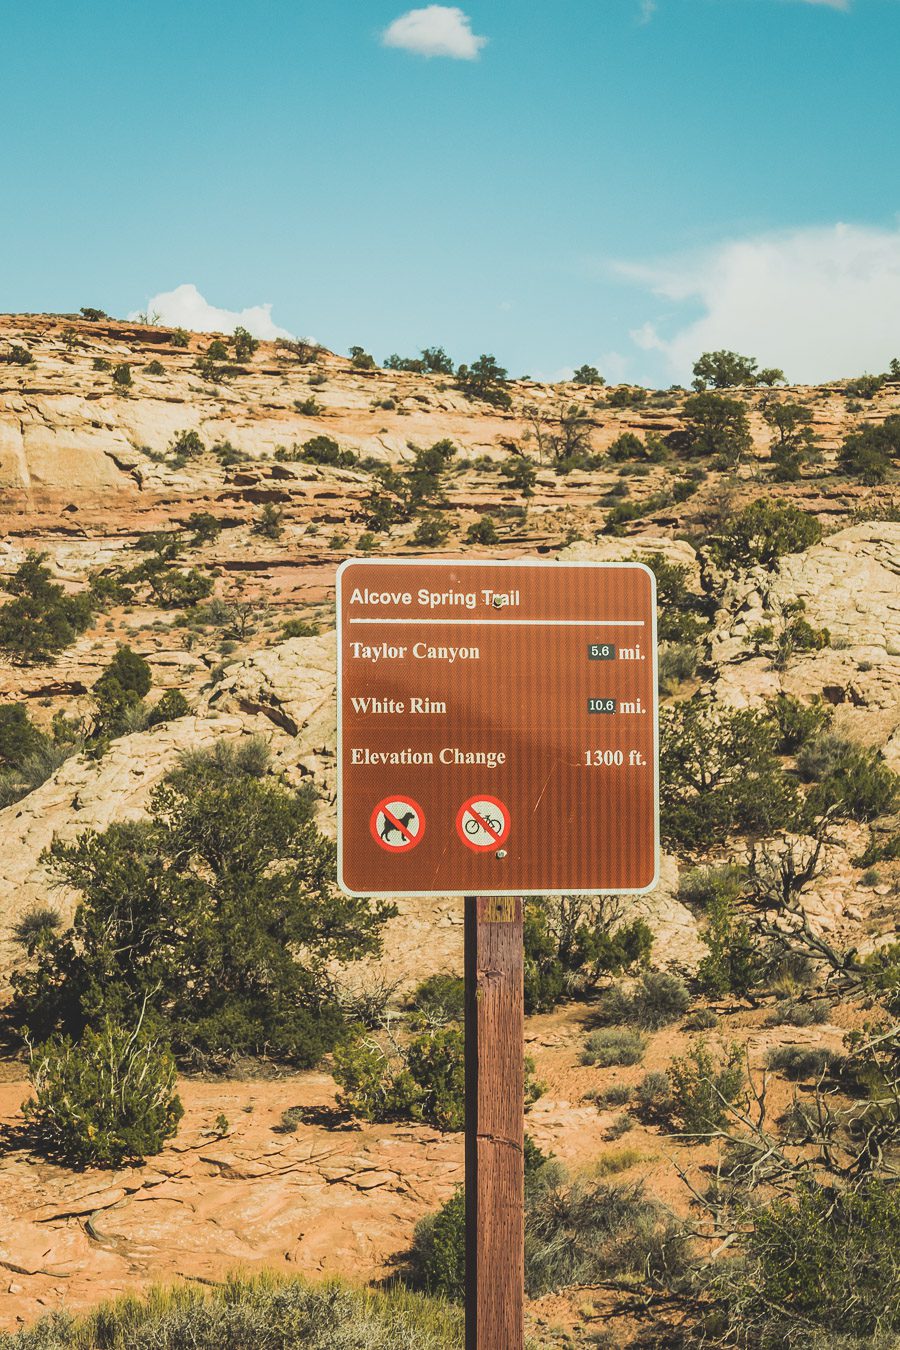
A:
(405, 820)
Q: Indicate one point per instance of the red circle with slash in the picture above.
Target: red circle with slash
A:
(482, 823)
(397, 824)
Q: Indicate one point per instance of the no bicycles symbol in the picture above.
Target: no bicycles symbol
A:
(482, 823)
(397, 824)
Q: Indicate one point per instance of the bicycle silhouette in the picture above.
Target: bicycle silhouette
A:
(474, 823)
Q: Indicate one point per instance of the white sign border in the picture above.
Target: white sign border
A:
(490, 562)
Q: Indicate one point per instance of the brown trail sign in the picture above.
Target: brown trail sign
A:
(497, 737)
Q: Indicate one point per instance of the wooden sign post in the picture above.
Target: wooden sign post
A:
(497, 738)
(495, 1123)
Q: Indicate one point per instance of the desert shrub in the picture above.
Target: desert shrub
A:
(736, 961)
(520, 474)
(269, 523)
(798, 723)
(41, 619)
(851, 779)
(122, 376)
(106, 1100)
(795, 1012)
(431, 531)
(482, 531)
(627, 396)
(798, 1062)
(360, 359)
(587, 375)
(180, 337)
(701, 1019)
(718, 773)
(34, 926)
(251, 1313)
(120, 689)
(682, 614)
(657, 999)
(762, 533)
(794, 441)
(438, 1254)
(624, 447)
(35, 768)
(880, 850)
(219, 909)
(571, 942)
(676, 662)
(322, 450)
(186, 445)
(217, 350)
(244, 344)
(170, 707)
(704, 1086)
(653, 1097)
(101, 363)
(617, 1094)
(864, 386)
(155, 368)
(724, 369)
(485, 379)
(868, 452)
(585, 1233)
(440, 998)
(613, 1045)
(295, 628)
(703, 887)
(421, 1080)
(204, 527)
(822, 1263)
(622, 514)
(19, 737)
(713, 426)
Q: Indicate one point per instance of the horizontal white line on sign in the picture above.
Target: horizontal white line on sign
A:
(521, 623)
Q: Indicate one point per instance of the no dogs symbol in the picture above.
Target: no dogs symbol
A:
(397, 824)
(482, 823)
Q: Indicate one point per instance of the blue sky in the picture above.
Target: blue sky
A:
(609, 181)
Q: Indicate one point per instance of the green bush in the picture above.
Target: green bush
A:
(186, 445)
(520, 474)
(627, 396)
(19, 737)
(864, 386)
(821, 1263)
(799, 1062)
(614, 1045)
(736, 962)
(485, 379)
(263, 1312)
(653, 1097)
(704, 1086)
(122, 376)
(682, 614)
(360, 359)
(868, 452)
(438, 1254)
(269, 523)
(724, 369)
(762, 533)
(440, 998)
(431, 531)
(170, 707)
(156, 368)
(795, 1012)
(584, 1233)
(851, 779)
(587, 375)
(41, 619)
(101, 363)
(482, 531)
(104, 1101)
(657, 999)
(714, 426)
(704, 887)
(19, 356)
(244, 344)
(421, 1080)
(798, 723)
(295, 628)
(719, 773)
(794, 440)
(180, 337)
(219, 909)
(571, 942)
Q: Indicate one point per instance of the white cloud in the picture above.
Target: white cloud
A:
(436, 30)
(820, 302)
(185, 307)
